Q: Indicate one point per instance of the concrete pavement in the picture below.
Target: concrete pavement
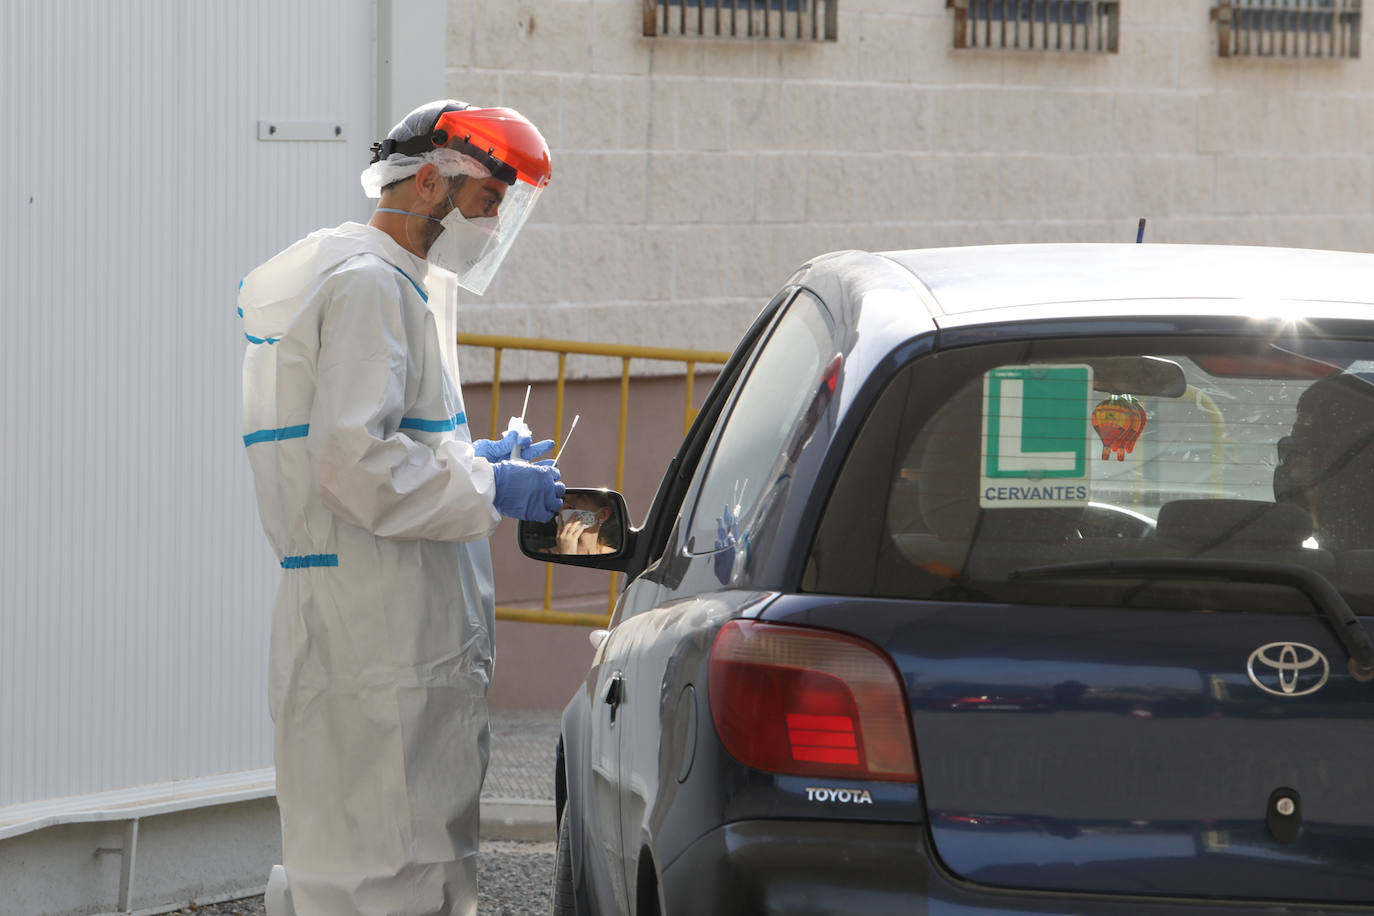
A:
(518, 797)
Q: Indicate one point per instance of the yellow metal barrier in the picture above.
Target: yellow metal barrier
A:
(1210, 410)
(499, 344)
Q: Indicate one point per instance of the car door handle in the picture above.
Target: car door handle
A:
(614, 693)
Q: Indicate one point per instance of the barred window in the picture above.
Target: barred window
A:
(1037, 25)
(1288, 28)
(792, 20)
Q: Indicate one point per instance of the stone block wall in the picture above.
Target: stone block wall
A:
(691, 176)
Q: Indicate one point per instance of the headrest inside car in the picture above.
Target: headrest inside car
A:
(947, 485)
(1234, 521)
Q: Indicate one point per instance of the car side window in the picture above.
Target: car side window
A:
(768, 410)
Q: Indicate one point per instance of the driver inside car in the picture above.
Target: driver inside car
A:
(1326, 465)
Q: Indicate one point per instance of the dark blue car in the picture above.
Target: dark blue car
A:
(1023, 579)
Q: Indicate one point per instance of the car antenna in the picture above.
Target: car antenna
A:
(1140, 231)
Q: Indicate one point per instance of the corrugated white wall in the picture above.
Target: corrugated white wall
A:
(135, 582)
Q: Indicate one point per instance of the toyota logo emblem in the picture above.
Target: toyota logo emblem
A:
(1287, 669)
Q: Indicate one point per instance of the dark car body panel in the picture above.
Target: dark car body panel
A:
(749, 867)
(774, 866)
(1064, 792)
(1069, 756)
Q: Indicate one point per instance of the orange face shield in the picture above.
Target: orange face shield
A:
(512, 149)
(509, 146)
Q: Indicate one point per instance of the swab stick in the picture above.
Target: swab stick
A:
(566, 438)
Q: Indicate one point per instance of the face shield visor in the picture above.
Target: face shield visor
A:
(480, 143)
(474, 247)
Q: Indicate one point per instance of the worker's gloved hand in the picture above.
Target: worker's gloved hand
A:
(727, 530)
(727, 535)
(530, 492)
(499, 450)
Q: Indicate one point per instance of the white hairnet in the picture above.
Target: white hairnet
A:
(400, 166)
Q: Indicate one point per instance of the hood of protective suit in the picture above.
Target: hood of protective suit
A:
(275, 288)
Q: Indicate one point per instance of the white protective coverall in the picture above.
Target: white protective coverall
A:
(379, 511)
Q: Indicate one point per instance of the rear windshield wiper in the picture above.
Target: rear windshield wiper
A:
(1358, 646)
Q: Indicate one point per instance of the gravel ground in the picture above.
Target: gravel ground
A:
(249, 906)
(513, 879)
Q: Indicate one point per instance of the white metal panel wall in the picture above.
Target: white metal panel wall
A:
(135, 581)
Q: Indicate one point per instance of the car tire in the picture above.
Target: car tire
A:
(564, 901)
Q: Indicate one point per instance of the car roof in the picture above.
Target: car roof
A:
(882, 299)
(964, 280)
(978, 284)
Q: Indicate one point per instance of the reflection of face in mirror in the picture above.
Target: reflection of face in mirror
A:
(586, 525)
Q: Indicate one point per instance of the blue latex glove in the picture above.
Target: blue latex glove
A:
(727, 535)
(499, 450)
(727, 530)
(530, 492)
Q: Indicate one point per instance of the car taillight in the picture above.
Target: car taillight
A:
(809, 703)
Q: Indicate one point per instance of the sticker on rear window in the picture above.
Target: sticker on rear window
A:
(1036, 430)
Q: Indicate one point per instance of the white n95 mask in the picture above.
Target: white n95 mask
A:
(586, 516)
(463, 242)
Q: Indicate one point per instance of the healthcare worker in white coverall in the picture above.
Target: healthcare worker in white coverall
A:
(379, 504)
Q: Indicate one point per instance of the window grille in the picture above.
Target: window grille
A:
(1288, 28)
(791, 20)
(1037, 25)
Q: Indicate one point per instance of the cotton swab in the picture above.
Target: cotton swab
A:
(518, 426)
(566, 438)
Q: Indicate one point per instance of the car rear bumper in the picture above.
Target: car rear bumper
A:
(776, 866)
(842, 867)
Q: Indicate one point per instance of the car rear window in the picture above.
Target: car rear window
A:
(980, 470)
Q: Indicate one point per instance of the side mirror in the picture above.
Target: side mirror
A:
(592, 527)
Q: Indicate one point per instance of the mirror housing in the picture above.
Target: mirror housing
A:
(568, 539)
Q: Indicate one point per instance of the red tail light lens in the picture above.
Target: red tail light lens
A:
(809, 703)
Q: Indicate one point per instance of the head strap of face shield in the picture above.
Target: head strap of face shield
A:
(439, 139)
